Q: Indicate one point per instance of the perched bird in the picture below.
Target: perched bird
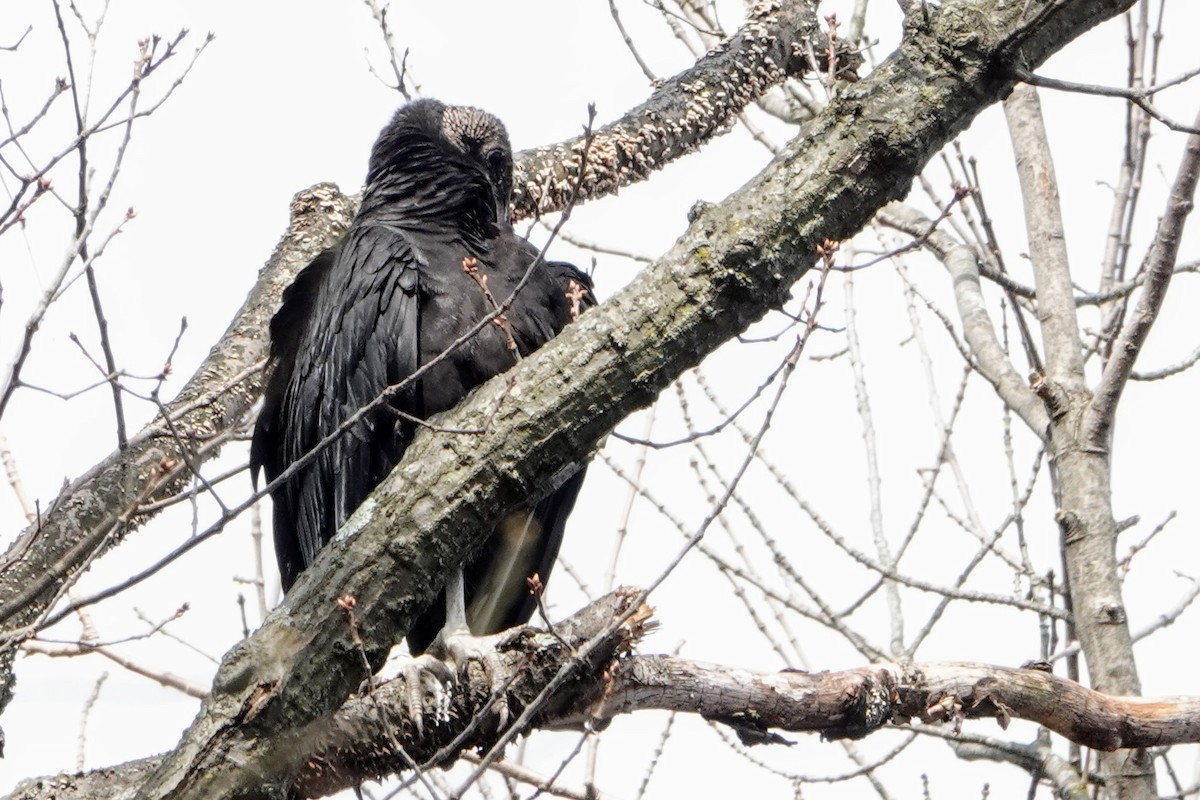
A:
(430, 253)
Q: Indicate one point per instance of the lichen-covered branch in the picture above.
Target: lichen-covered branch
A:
(682, 114)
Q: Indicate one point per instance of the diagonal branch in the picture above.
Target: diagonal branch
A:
(963, 266)
(1159, 267)
(692, 107)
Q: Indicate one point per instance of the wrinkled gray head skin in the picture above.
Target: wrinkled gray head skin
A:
(436, 156)
(483, 137)
(473, 129)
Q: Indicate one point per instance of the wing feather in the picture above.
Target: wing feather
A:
(348, 328)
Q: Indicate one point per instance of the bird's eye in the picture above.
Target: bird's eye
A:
(495, 160)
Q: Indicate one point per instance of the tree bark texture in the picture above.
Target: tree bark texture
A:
(1080, 421)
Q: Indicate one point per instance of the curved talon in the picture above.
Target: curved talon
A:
(432, 675)
(424, 676)
(461, 648)
(428, 672)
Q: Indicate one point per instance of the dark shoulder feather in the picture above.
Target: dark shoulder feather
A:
(288, 328)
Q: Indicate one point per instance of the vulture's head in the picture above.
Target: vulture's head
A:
(448, 154)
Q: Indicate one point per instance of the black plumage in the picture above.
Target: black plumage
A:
(390, 297)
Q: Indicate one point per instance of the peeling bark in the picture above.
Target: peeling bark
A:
(363, 739)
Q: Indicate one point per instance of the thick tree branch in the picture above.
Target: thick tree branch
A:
(737, 261)
(585, 646)
(365, 737)
(361, 740)
(685, 111)
(854, 703)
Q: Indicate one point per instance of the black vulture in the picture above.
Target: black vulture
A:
(402, 286)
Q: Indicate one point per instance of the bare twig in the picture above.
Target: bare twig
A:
(86, 713)
(162, 678)
(1159, 268)
(399, 68)
(1137, 96)
(873, 479)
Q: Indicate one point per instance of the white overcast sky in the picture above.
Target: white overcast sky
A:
(282, 99)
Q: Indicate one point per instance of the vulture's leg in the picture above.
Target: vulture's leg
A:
(456, 646)
(446, 659)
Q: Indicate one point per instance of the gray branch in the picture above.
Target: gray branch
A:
(371, 735)
(963, 266)
(1160, 266)
(1047, 241)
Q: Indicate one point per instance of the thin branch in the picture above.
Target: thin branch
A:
(992, 360)
(873, 479)
(399, 68)
(17, 43)
(162, 678)
(1184, 364)
(629, 45)
(1159, 267)
(88, 705)
(1139, 97)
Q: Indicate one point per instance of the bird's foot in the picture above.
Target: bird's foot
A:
(460, 648)
(426, 678)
